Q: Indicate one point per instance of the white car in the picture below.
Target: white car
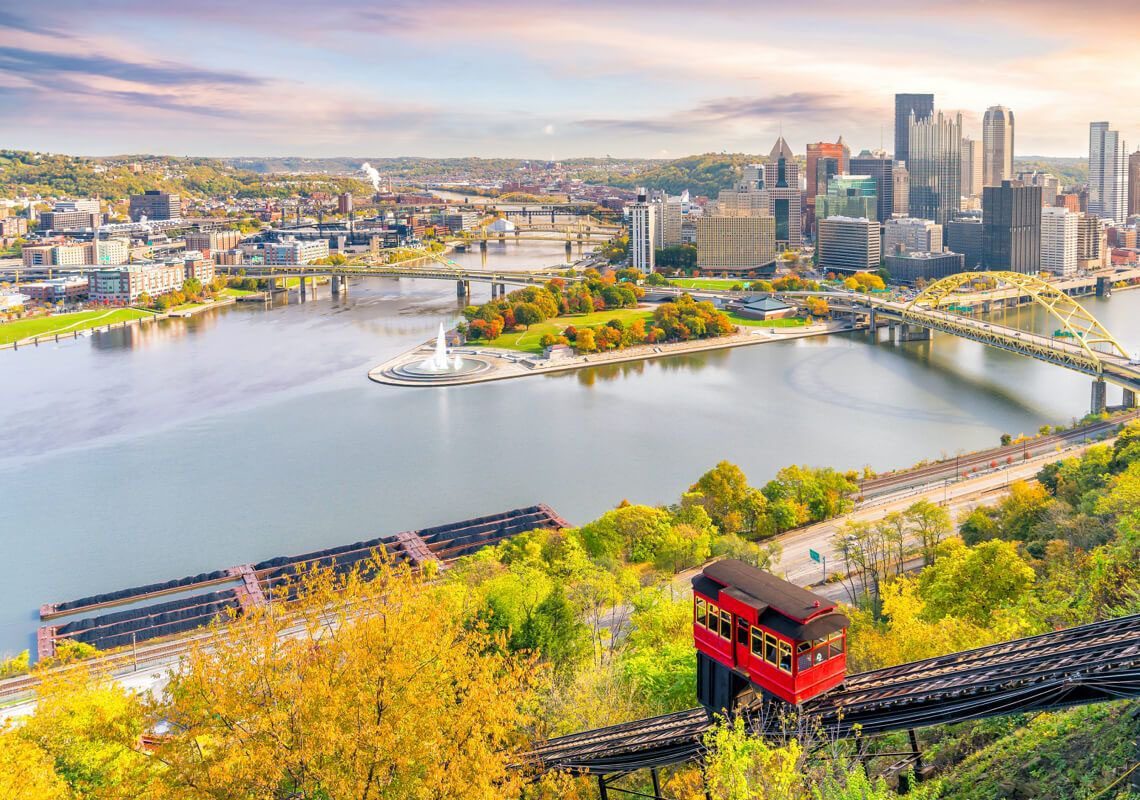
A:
(1135, 360)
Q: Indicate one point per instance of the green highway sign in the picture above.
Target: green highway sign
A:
(814, 556)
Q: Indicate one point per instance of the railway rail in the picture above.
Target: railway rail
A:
(982, 458)
(1087, 664)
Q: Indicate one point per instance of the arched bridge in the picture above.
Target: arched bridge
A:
(1080, 342)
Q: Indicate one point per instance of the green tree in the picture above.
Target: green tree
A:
(971, 583)
(527, 314)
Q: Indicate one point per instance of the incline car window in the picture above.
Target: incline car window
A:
(726, 625)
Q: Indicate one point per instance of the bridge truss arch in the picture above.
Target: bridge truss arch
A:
(1085, 330)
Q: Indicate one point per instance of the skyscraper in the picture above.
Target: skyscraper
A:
(642, 233)
(834, 157)
(1011, 227)
(935, 167)
(1134, 183)
(997, 141)
(849, 196)
(848, 244)
(881, 168)
(921, 107)
(1059, 241)
(1108, 183)
(900, 177)
(782, 182)
(972, 167)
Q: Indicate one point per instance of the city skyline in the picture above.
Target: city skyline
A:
(449, 78)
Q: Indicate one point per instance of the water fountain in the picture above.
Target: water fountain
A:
(438, 362)
(440, 367)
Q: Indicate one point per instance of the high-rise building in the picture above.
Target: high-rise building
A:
(1134, 183)
(1059, 241)
(824, 160)
(667, 231)
(753, 176)
(1092, 243)
(971, 168)
(1108, 184)
(997, 141)
(782, 183)
(849, 196)
(963, 234)
(881, 168)
(1011, 227)
(935, 167)
(735, 244)
(900, 177)
(1069, 200)
(1050, 185)
(155, 205)
(848, 244)
(907, 234)
(919, 106)
(642, 233)
(743, 201)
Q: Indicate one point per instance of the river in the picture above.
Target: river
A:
(154, 452)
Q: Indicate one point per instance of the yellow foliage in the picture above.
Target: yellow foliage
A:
(905, 635)
(364, 689)
(27, 772)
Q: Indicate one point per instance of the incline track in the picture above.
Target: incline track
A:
(1088, 664)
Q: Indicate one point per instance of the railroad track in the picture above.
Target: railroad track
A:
(1036, 446)
(1086, 664)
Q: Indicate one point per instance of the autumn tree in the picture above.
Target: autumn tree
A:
(361, 688)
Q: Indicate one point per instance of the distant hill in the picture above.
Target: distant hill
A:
(46, 174)
(1070, 171)
(704, 174)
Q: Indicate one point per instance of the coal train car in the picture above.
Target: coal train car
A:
(758, 635)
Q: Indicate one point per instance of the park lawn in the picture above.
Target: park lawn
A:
(528, 340)
(708, 283)
(786, 322)
(229, 291)
(66, 323)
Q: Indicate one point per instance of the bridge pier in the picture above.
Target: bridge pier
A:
(462, 288)
(335, 285)
(483, 245)
(1103, 287)
(873, 325)
(1129, 399)
(1099, 397)
(912, 333)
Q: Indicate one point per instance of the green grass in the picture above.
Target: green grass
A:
(707, 283)
(65, 323)
(786, 322)
(528, 341)
(231, 292)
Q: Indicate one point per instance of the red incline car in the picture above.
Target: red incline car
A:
(756, 633)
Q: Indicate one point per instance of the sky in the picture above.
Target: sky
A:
(536, 79)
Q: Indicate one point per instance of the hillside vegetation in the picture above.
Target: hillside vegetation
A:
(24, 173)
(705, 174)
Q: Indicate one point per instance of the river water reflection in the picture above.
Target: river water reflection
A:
(190, 445)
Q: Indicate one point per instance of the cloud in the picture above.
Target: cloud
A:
(10, 21)
(809, 106)
(548, 130)
(40, 63)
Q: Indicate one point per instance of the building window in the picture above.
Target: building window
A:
(700, 612)
(726, 625)
(757, 643)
